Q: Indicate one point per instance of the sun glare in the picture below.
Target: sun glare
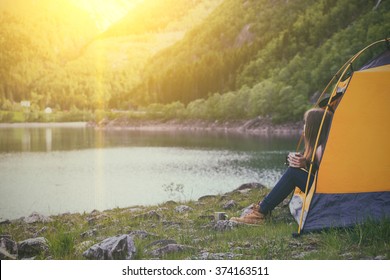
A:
(106, 12)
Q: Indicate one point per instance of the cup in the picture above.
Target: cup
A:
(292, 154)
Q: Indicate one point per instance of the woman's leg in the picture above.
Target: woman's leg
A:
(293, 177)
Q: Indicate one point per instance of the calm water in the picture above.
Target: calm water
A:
(73, 168)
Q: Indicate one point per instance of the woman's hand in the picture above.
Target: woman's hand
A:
(296, 160)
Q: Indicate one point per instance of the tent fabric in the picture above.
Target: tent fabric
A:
(383, 59)
(353, 182)
(346, 210)
(356, 157)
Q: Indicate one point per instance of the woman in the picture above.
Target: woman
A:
(297, 173)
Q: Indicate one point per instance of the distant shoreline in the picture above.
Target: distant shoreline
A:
(43, 124)
(257, 126)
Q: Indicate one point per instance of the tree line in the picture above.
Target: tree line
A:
(244, 59)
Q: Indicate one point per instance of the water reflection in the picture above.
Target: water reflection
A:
(60, 169)
(28, 137)
(48, 139)
(26, 140)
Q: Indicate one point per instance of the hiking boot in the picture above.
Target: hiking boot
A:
(252, 217)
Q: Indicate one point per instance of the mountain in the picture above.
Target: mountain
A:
(37, 36)
(57, 54)
(215, 59)
(270, 56)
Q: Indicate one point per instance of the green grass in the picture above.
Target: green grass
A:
(62, 245)
(67, 237)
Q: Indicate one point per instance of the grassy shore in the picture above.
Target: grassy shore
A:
(200, 236)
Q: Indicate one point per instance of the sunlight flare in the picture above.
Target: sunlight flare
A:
(106, 12)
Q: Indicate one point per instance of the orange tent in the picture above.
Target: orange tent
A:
(353, 181)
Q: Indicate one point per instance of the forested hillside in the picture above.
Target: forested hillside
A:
(213, 59)
(35, 40)
(270, 56)
(54, 54)
(157, 16)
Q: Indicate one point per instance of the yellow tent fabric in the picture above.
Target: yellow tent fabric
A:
(357, 155)
(353, 181)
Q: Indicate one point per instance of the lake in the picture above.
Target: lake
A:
(58, 168)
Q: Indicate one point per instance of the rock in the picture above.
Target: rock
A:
(286, 202)
(206, 197)
(36, 217)
(149, 215)
(91, 220)
(83, 246)
(5, 222)
(162, 242)
(347, 256)
(32, 247)
(8, 248)
(5, 255)
(172, 224)
(229, 205)
(95, 215)
(250, 186)
(218, 256)
(132, 210)
(170, 203)
(170, 248)
(94, 212)
(119, 247)
(89, 233)
(140, 233)
(183, 208)
(225, 225)
(39, 232)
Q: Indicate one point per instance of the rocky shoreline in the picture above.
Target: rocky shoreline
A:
(95, 243)
(189, 230)
(256, 126)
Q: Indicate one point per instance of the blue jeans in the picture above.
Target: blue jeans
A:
(293, 177)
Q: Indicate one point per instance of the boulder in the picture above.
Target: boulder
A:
(250, 186)
(37, 218)
(5, 255)
(170, 248)
(142, 234)
(89, 233)
(224, 225)
(8, 248)
(32, 247)
(5, 222)
(39, 232)
(206, 197)
(119, 247)
(183, 208)
(151, 215)
(218, 256)
(229, 205)
(161, 243)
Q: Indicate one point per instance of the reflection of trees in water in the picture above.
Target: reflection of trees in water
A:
(31, 137)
